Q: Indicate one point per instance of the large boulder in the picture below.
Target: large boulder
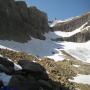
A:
(9, 67)
(23, 83)
(6, 65)
(33, 69)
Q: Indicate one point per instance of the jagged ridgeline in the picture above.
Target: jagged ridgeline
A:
(19, 22)
(72, 24)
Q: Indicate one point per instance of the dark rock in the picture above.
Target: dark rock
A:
(18, 22)
(1, 84)
(4, 69)
(33, 69)
(6, 65)
(31, 66)
(6, 62)
(39, 21)
(22, 9)
(23, 83)
(45, 84)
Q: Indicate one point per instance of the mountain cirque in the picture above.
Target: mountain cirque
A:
(37, 56)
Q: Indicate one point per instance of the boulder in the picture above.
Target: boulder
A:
(6, 65)
(45, 84)
(23, 83)
(6, 62)
(33, 69)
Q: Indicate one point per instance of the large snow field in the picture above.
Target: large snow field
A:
(52, 49)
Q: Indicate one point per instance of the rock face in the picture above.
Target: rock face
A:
(32, 76)
(75, 23)
(18, 22)
(39, 21)
(72, 24)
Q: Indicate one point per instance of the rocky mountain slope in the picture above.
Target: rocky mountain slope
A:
(71, 25)
(18, 20)
(37, 56)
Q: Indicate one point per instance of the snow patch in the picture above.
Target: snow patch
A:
(17, 67)
(68, 34)
(5, 78)
(84, 79)
(56, 57)
(80, 51)
(55, 22)
(76, 66)
(36, 47)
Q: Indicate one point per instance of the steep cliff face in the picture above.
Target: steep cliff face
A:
(39, 21)
(17, 22)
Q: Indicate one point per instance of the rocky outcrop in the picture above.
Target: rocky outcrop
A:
(72, 24)
(80, 37)
(18, 22)
(81, 23)
(42, 73)
(32, 76)
(39, 21)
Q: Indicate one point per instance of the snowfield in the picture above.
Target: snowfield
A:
(49, 48)
(5, 78)
(80, 51)
(36, 47)
(52, 49)
(76, 66)
(84, 79)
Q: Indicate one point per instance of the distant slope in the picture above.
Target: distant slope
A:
(72, 23)
(76, 29)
